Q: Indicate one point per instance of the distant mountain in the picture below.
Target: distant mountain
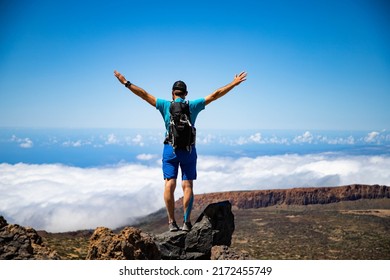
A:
(295, 196)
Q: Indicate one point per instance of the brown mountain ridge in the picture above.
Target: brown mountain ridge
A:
(294, 196)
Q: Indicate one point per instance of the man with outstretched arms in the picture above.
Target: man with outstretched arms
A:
(173, 158)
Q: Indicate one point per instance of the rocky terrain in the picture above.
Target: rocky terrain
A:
(213, 228)
(348, 222)
(209, 238)
(23, 243)
(130, 244)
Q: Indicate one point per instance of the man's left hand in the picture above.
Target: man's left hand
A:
(120, 77)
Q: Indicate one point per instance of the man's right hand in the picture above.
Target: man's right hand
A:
(137, 90)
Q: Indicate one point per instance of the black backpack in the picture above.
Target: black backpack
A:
(181, 134)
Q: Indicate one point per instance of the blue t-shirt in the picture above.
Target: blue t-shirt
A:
(196, 106)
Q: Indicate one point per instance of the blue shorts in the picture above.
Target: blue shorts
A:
(183, 158)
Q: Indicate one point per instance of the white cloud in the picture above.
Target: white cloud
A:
(25, 143)
(75, 144)
(350, 140)
(276, 139)
(372, 137)
(63, 198)
(286, 171)
(205, 139)
(256, 138)
(111, 139)
(306, 137)
(129, 140)
(146, 157)
(138, 140)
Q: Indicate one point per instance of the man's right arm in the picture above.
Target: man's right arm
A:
(137, 90)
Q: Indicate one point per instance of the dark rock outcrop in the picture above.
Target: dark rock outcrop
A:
(214, 226)
(130, 244)
(23, 243)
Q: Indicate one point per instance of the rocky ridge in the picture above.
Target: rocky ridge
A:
(294, 196)
(209, 238)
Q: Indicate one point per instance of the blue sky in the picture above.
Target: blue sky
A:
(310, 64)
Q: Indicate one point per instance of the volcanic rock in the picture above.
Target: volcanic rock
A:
(130, 244)
(214, 226)
(23, 243)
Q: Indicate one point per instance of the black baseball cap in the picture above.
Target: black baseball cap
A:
(179, 85)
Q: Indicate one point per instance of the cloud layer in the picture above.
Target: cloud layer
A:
(62, 198)
(129, 138)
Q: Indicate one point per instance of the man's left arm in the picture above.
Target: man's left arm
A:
(238, 79)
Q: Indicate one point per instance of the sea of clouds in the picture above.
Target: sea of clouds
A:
(58, 197)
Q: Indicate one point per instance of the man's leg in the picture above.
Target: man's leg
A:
(169, 198)
(188, 168)
(188, 198)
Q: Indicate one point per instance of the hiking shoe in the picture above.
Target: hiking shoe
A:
(173, 226)
(186, 226)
